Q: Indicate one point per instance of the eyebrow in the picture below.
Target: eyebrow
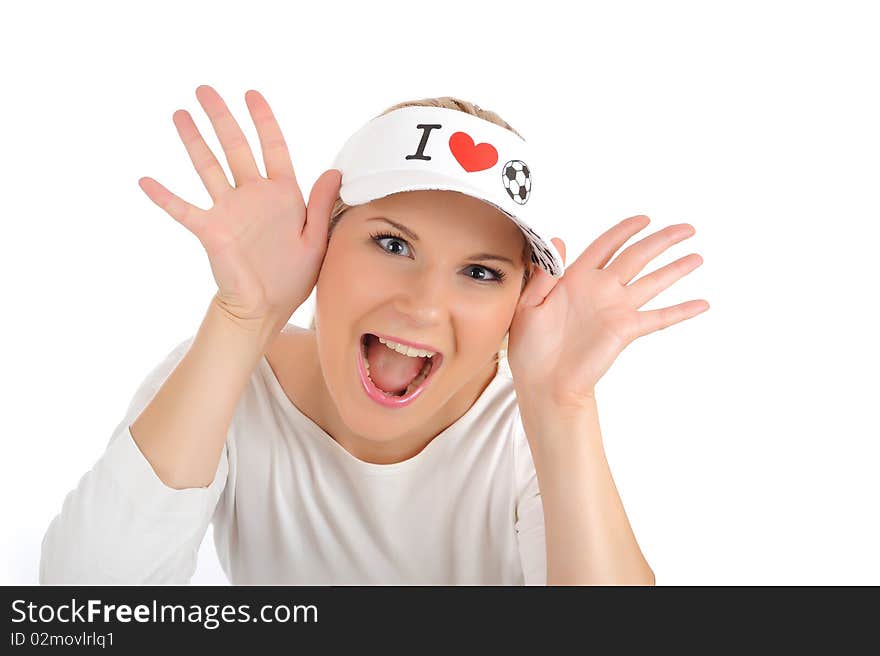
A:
(409, 233)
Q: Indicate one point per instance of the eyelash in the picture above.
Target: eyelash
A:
(499, 275)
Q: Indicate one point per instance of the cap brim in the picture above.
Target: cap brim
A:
(376, 185)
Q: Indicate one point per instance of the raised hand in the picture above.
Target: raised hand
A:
(567, 332)
(264, 245)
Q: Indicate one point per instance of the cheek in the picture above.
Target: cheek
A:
(330, 287)
(352, 287)
(484, 323)
(342, 274)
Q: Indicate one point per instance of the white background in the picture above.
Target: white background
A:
(743, 442)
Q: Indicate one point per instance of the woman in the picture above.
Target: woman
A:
(385, 444)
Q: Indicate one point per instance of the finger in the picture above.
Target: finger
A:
(652, 320)
(189, 216)
(212, 174)
(647, 287)
(541, 283)
(634, 258)
(232, 139)
(560, 245)
(597, 254)
(275, 154)
(323, 196)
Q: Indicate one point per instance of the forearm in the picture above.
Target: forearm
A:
(181, 432)
(589, 539)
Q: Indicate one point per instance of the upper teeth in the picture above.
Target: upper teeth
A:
(406, 350)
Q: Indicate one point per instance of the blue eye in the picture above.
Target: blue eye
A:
(499, 275)
(385, 235)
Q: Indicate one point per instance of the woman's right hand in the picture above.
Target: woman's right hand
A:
(264, 245)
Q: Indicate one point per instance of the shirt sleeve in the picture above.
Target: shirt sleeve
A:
(529, 524)
(122, 524)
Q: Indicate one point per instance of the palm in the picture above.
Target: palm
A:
(255, 248)
(594, 317)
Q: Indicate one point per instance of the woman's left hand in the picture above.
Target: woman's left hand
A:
(567, 331)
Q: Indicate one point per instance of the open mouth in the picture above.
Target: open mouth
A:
(397, 397)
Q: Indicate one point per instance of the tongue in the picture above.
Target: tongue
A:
(391, 371)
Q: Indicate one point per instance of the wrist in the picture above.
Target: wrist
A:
(259, 328)
(551, 424)
(557, 404)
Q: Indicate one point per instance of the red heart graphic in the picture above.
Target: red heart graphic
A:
(472, 158)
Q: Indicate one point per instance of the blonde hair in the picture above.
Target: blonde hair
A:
(449, 102)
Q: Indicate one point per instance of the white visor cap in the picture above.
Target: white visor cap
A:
(414, 148)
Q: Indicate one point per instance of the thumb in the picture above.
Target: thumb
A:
(541, 282)
(322, 197)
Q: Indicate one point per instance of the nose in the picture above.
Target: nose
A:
(424, 298)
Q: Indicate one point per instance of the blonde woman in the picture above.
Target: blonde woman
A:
(436, 424)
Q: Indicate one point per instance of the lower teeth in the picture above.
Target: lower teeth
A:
(418, 380)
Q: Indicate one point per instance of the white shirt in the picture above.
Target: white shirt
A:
(291, 506)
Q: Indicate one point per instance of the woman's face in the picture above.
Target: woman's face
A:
(429, 287)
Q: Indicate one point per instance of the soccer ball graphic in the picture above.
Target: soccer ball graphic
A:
(517, 180)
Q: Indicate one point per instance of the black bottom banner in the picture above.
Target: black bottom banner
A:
(133, 619)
